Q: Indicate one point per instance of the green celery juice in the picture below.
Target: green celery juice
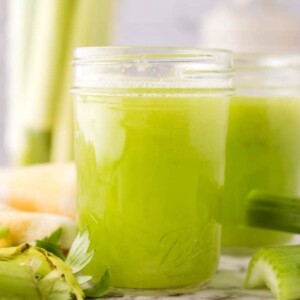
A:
(263, 153)
(150, 181)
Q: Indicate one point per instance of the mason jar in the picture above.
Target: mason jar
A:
(150, 130)
(263, 145)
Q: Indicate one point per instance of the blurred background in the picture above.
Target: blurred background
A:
(37, 38)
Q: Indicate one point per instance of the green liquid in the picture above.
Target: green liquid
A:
(150, 179)
(263, 153)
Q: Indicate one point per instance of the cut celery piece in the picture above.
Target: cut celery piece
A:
(278, 269)
(274, 212)
(17, 282)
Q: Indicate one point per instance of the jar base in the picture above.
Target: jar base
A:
(157, 292)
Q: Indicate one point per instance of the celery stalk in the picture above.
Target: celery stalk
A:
(49, 37)
(17, 282)
(276, 212)
(90, 27)
(20, 22)
(44, 34)
(278, 269)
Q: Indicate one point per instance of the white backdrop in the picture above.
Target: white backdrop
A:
(166, 22)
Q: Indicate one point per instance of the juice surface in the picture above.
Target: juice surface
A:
(263, 153)
(150, 181)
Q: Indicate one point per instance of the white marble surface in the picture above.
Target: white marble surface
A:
(226, 284)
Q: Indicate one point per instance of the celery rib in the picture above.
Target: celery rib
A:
(277, 268)
(276, 212)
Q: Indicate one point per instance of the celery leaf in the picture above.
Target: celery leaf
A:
(52, 243)
(100, 288)
(79, 256)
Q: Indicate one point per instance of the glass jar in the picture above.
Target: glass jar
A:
(263, 146)
(150, 130)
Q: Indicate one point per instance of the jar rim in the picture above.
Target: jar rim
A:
(215, 59)
(267, 74)
(252, 60)
(152, 68)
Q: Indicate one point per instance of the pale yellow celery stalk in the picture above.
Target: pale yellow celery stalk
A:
(20, 22)
(24, 227)
(44, 188)
(48, 53)
(91, 26)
